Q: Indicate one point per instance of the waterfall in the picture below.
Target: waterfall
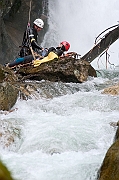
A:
(63, 133)
(80, 22)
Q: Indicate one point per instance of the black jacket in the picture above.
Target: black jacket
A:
(56, 50)
(29, 39)
(30, 36)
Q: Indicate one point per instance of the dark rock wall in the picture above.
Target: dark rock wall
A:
(14, 16)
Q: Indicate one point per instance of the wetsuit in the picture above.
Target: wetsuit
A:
(29, 38)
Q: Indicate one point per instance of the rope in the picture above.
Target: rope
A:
(29, 13)
(28, 26)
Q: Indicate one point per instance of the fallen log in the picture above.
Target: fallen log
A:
(104, 44)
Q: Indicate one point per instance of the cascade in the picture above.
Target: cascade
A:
(80, 22)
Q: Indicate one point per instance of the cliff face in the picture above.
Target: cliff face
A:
(14, 16)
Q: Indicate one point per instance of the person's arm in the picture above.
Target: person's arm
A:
(33, 42)
(59, 52)
(56, 50)
(51, 49)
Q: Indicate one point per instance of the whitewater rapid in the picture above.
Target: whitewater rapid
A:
(79, 22)
(65, 136)
(64, 133)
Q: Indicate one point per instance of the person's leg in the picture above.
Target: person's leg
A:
(16, 62)
(21, 60)
(27, 59)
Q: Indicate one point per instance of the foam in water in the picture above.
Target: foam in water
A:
(65, 133)
(65, 137)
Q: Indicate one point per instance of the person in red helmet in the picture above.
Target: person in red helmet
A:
(59, 51)
(63, 46)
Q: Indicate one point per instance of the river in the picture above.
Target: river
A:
(64, 133)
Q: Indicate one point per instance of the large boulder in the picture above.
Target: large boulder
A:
(113, 90)
(4, 172)
(110, 166)
(65, 69)
(8, 88)
(8, 96)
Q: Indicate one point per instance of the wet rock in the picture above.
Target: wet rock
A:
(110, 166)
(114, 90)
(65, 69)
(2, 75)
(7, 75)
(10, 132)
(4, 172)
(8, 90)
(8, 96)
(117, 133)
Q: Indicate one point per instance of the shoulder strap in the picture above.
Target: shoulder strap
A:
(26, 40)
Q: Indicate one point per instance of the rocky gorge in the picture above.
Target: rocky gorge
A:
(70, 69)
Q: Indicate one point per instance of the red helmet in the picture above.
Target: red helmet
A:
(66, 45)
